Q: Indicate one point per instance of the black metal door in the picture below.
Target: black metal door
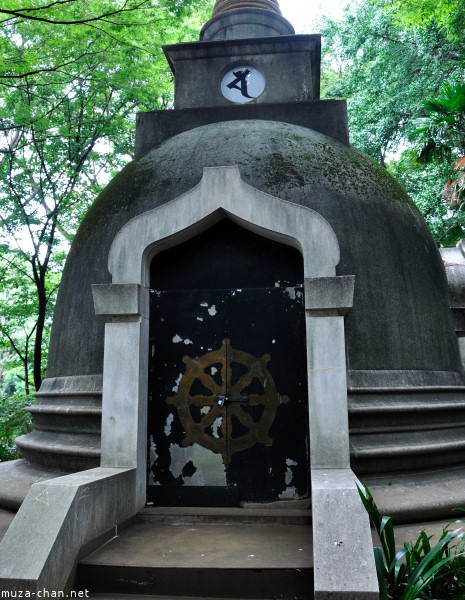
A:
(228, 416)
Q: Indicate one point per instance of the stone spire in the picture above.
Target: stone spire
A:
(224, 5)
(235, 19)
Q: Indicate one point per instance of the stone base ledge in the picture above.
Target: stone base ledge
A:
(72, 384)
(392, 381)
(325, 116)
(414, 497)
(16, 479)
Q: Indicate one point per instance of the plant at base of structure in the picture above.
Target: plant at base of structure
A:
(15, 420)
(418, 571)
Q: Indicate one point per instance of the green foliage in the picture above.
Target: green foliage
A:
(446, 14)
(18, 310)
(69, 94)
(442, 132)
(385, 71)
(425, 184)
(72, 76)
(443, 127)
(56, 38)
(418, 571)
(14, 421)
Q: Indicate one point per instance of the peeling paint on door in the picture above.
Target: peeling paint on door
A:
(176, 385)
(240, 443)
(208, 467)
(228, 284)
(169, 420)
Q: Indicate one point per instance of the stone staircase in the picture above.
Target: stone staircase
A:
(210, 553)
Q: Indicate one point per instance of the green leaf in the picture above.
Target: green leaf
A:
(380, 571)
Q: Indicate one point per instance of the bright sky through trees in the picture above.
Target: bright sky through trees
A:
(303, 14)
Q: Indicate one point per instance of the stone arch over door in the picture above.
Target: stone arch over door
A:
(221, 193)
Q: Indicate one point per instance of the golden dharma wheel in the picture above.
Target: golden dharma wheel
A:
(225, 402)
(224, 5)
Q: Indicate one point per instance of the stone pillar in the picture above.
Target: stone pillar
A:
(124, 400)
(327, 300)
(343, 553)
(327, 388)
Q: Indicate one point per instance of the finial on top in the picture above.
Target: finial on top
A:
(224, 5)
(235, 19)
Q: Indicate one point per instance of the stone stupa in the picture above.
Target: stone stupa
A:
(274, 298)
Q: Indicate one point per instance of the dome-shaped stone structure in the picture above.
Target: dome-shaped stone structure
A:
(277, 317)
(384, 241)
(401, 347)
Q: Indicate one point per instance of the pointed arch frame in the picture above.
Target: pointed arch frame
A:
(220, 193)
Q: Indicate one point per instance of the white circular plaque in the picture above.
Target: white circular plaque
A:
(242, 84)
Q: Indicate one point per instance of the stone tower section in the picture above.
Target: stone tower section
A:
(248, 64)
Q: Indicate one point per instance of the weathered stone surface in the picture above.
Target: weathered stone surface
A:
(245, 23)
(221, 193)
(124, 411)
(116, 300)
(173, 560)
(327, 392)
(324, 116)
(400, 319)
(290, 65)
(344, 565)
(16, 478)
(66, 419)
(330, 294)
(6, 517)
(57, 519)
(454, 261)
(420, 496)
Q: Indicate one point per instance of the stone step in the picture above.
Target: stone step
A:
(256, 515)
(397, 451)
(205, 560)
(264, 584)
(60, 449)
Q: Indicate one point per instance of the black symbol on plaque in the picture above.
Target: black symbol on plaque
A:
(241, 78)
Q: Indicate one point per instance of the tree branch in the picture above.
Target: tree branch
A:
(20, 13)
(50, 70)
(390, 39)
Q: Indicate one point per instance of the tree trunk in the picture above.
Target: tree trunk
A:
(42, 296)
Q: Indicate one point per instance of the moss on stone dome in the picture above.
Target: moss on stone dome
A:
(401, 317)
